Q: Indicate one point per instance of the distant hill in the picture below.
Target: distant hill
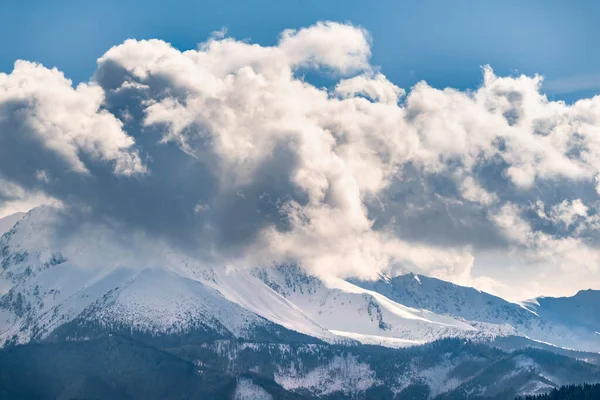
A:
(570, 392)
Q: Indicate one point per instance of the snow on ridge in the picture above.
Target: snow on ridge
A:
(437, 377)
(384, 341)
(360, 314)
(403, 311)
(248, 390)
(342, 374)
(160, 301)
(7, 222)
(243, 288)
(492, 315)
(384, 277)
(417, 278)
(175, 292)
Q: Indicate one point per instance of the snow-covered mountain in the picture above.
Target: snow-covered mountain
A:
(46, 283)
(365, 315)
(580, 310)
(6, 223)
(565, 322)
(48, 287)
(300, 332)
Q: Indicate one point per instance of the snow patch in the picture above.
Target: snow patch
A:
(341, 374)
(379, 340)
(437, 378)
(248, 390)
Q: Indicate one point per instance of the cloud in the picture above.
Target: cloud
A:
(40, 105)
(227, 154)
(14, 199)
(376, 88)
(341, 47)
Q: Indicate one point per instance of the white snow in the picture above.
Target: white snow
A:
(361, 314)
(379, 340)
(160, 301)
(535, 387)
(6, 223)
(149, 299)
(248, 390)
(437, 378)
(249, 292)
(492, 316)
(342, 374)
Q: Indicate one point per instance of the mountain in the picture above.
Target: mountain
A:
(527, 371)
(6, 223)
(49, 287)
(118, 367)
(263, 332)
(367, 316)
(569, 392)
(569, 322)
(580, 310)
(115, 367)
(447, 368)
(48, 290)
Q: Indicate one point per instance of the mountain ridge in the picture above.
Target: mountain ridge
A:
(406, 336)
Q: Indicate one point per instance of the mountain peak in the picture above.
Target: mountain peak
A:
(417, 278)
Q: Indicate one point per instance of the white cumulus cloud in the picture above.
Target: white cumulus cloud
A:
(228, 147)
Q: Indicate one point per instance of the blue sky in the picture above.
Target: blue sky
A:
(442, 42)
